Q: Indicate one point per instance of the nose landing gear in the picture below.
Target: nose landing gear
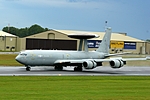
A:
(28, 68)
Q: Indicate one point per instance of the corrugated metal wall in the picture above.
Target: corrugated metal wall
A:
(50, 44)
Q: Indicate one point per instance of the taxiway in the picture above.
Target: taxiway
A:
(49, 71)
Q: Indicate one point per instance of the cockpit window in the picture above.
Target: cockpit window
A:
(23, 54)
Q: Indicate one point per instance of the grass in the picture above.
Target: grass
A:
(75, 88)
(8, 60)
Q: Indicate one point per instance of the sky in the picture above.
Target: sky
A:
(125, 16)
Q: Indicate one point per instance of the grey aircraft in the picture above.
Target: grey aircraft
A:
(77, 59)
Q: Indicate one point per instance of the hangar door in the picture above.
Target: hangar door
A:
(51, 44)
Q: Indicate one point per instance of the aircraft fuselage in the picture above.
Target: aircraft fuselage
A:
(48, 57)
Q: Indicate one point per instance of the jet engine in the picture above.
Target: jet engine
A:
(89, 64)
(116, 63)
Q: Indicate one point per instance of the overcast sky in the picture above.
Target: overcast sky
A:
(127, 16)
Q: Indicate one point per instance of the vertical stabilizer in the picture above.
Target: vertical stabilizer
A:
(104, 45)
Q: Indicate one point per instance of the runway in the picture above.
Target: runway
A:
(99, 71)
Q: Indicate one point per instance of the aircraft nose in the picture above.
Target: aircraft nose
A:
(17, 58)
(20, 59)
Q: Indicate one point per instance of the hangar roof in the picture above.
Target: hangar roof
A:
(2, 33)
(114, 36)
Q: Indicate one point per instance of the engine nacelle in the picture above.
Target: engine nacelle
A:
(89, 64)
(116, 63)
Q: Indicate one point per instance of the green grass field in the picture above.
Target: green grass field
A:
(75, 88)
(8, 60)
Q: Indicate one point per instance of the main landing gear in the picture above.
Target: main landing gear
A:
(78, 69)
(58, 68)
(28, 68)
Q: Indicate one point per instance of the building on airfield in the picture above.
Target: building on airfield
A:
(59, 40)
(8, 42)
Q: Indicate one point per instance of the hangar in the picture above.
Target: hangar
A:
(59, 40)
(8, 42)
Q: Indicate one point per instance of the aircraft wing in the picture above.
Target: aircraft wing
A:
(79, 61)
(92, 63)
(124, 59)
(99, 60)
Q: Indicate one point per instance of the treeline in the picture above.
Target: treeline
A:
(148, 40)
(23, 32)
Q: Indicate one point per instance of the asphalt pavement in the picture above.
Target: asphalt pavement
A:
(99, 71)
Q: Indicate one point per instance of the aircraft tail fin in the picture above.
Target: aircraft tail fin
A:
(105, 43)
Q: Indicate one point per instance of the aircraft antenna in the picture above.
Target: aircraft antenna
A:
(105, 25)
(8, 27)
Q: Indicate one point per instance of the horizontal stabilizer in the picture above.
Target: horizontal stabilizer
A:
(109, 55)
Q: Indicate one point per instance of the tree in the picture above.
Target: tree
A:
(11, 30)
(23, 32)
(35, 29)
(148, 40)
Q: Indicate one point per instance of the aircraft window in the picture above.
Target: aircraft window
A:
(23, 54)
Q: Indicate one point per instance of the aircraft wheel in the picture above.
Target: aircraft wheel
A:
(78, 69)
(28, 68)
(75, 68)
(59, 68)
